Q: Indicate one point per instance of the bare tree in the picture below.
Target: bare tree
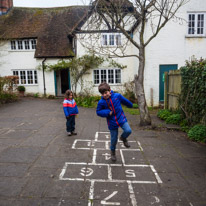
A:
(132, 19)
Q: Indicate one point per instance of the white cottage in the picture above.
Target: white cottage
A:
(32, 37)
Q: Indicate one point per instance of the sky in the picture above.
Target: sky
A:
(48, 3)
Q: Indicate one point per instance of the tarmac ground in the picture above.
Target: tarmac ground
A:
(41, 165)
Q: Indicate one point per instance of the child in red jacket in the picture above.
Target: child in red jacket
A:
(70, 110)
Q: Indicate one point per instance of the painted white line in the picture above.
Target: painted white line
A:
(109, 181)
(106, 145)
(94, 156)
(156, 175)
(140, 146)
(63, 172)
(73, 146)
(103, 164)
(121, 153)
(109, 172)
(107, 148)
(132, 195)
(96, 136)
(91, 194)
(103, 202)
(104, 132)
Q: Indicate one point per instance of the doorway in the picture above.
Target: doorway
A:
(163, 69)
(62, 81)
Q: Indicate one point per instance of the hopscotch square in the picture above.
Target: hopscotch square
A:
(132, 156)
(83, 144)
(134, 173)
(102, 136)
(110, 193)
(84, 171)
(101, 145)
(104, 156)
(73, 171)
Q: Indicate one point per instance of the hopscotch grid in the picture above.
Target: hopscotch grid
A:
(91, 143)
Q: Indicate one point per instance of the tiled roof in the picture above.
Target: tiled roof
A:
(51, 26)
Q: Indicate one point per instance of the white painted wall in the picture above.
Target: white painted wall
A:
(172, 46)
(24, 60)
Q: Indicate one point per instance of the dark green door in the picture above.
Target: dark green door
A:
(163, 69)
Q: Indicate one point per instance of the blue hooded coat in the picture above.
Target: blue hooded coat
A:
(104, 107)
(70, 107)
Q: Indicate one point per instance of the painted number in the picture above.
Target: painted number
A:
(86, 171)
(104, 202)
(130, 173)
(107, 136)
(107, 156)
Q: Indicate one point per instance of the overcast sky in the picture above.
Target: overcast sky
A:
(48, 3)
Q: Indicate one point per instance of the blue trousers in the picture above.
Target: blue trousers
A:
(114, 135)
(70, 124)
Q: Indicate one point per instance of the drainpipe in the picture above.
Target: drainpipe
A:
(43, 67)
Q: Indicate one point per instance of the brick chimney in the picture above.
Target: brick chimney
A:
(5, 6)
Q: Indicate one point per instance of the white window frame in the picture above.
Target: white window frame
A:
(27, 80)
(111, 39)
(196, 24)
(107, 74)
(23, 45)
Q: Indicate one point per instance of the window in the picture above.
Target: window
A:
(20, 45)
(33, 43)
(13, 45)
(196, 24)
(26, 76)
(111, 76)
(111, 39)
(27, 44)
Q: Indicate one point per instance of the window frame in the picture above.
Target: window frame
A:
(111, 74)
(111, 39)
(23, 45)
(27, 74)
(196, 23)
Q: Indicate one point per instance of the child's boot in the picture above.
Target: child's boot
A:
(125, 142)
(74, 133)
(113, 156)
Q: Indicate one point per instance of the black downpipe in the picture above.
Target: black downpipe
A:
(43, 68)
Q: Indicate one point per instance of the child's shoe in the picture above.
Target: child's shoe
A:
(113, 156)
(125, 142)
(74, 133)
(69, 133)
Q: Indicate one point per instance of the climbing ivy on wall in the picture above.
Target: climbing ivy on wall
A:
(193, 91)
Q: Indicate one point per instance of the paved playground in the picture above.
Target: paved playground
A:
(41, 165)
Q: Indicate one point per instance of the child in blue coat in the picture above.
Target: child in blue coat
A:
(109, 106)
(70, 110)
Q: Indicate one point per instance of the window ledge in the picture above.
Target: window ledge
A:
(31, 50)
(27, 85)
(195, 36)
(96, 85)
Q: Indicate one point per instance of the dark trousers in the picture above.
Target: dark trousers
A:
(70, 124)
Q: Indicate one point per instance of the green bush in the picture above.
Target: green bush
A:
(192, 99)
(184, 125)
(174, 119)
(135, 106)
(164, 114)
(21, 88)
(87, 101)
(6, 97)
(198, 133)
